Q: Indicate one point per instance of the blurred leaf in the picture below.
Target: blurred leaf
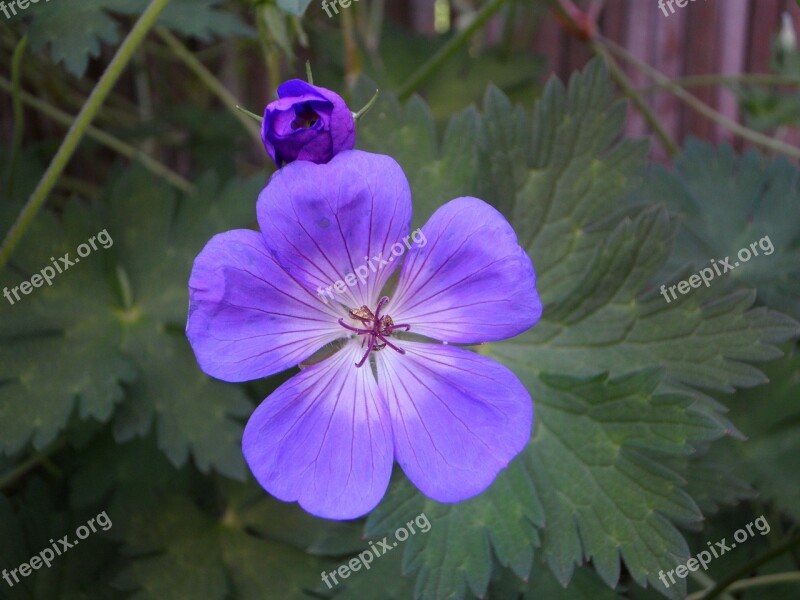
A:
(75, 29)
(770, 417)
(32, 529)
(181, 552)
(728, 203)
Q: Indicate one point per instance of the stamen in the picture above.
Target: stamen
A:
(378, 328)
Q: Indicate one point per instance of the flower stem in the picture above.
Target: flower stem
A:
(733, 578)
(207, 77)
(702, 108)
(712, 80)
(104, 138)
(29, 463)
(19, 114)
(618, 75)
(448, 50)
(368, 106)
(309, 74)
(252, 115)
(81, 124)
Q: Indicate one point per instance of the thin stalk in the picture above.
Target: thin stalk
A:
(19, 114)
(448, 50)
(29, 463)
(105, 139)
(741, 573)
(81, 124)
(762, 580)
(706, 582)
(211, 82)
(714, 80)
(618, 75)
(702, 108)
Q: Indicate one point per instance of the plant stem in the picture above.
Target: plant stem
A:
(702, 108)
(19, 114)
(618, 75)
(210, 81)
(81, 124)
(741, 573)
(29, 463)
(714, 80)
(106, 139)
(448, 50)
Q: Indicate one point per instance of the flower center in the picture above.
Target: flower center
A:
(376, 329)
(305, 118)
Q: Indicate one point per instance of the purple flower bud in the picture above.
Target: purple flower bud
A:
(307, 123)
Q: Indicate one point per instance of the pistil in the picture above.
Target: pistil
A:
(377, 328)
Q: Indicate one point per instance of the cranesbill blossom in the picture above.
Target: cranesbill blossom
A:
(307, 122)
(393, 385)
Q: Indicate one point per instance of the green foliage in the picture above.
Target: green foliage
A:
(597, 439)
(75, 29)
(728, 203)
(626, 449)
(70, 349)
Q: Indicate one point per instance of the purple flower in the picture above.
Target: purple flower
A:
(392, 385)
(307, 123)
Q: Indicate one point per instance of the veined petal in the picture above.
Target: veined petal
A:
(470, 282)
(458, 418)
(326, 223)
(247, 317)
(323, 439)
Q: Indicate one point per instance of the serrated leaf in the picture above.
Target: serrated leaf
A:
(595, 464)
(59, 346)
(596, 258)
(75, 29)
(728, 203)
(95, 342)
(455, 555)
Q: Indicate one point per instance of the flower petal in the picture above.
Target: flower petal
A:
(323, 438)
(458, 418)
(470, 282)
(327, 222)
(247, 317)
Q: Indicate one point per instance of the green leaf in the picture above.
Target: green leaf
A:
(595, 463)
(59, 346)
(730, 203)
(75, 29)
(29, 530)
(182, 552)
(64, 349)
(456, 555)
(769, 417)
(624, 403)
